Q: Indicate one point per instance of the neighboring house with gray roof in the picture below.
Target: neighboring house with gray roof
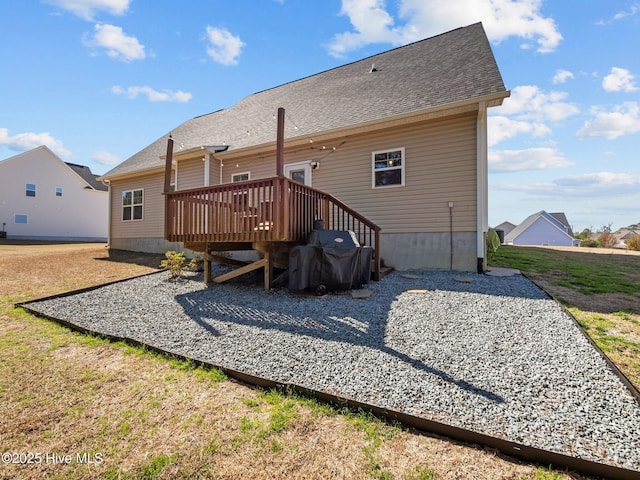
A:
(624, 235)
(504, 229)
(543, 228)
(44, 198)
(398, 137)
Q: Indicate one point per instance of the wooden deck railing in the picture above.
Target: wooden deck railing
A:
(273, 209)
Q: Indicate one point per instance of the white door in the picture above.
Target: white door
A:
(300, 172)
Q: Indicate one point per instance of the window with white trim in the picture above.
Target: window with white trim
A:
(58, 191)
(20, 219)
(241, 177)
(30, 189)
(387, 168)
(132, 203)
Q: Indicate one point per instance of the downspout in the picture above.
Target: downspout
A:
(482, 203)
(207, 169)
(107, 183)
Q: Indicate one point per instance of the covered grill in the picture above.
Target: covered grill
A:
(332, 260)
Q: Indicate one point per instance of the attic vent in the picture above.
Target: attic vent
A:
(373, 68)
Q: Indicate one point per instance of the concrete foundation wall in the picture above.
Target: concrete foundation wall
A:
(148, 245)
(402, 251)
(160, 245)
(429, 251)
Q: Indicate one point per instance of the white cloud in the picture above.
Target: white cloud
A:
(529, 102)
(600, 182)
(635, 8)
(87, 9)
(105, 158)
(623, 120)
(501, 128)
(509, 161)
(224, 47)
(588, 185)
(528, 111)
(118, 45)
(619, 80)
(562, 76)
(372, 23)
(152, 95)
(29, 140)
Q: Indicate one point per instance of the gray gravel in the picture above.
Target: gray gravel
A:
(496, 355)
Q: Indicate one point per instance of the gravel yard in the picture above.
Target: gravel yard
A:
(489, 354)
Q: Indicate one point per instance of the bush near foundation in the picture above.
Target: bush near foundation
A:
(176, 263)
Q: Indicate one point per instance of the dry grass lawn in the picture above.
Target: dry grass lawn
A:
(142, 416)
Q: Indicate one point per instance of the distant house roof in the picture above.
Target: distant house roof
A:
(558, 220)
(627, 234)
(506, 227)
(562, 218)
(87, 176)
(82, 171)
(438, 72)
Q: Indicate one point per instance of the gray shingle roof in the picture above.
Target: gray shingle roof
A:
(452, 67)
(562, 218)
(87, 176)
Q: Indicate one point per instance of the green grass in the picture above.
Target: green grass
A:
(376, 432)
(155, 467)
(588, 273)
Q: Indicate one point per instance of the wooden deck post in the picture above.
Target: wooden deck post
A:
(167, 165)
(280, 144)
(268, 269)
(207, 264)
(167, 186)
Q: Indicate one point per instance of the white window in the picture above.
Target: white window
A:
(58, 191)
(387, 168)
(30, 189)
(240, 177)
(132, 202)
(19, 219)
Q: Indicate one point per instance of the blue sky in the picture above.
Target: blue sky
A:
(98, 80)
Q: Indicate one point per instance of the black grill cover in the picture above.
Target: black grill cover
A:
(333, 259)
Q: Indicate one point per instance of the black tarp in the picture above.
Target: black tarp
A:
(331, 260)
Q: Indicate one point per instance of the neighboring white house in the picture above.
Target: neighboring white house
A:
(542, 228)
(44, 198)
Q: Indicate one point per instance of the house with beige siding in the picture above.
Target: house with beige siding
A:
(398, 141)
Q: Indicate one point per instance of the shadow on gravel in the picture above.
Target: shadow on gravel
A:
(151, 260)
(239, 305)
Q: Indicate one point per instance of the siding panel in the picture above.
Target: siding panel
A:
(440, 167)
(152, 224)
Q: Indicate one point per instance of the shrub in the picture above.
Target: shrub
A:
(176, 263)
(589, 243)
(607, 240)
(493, 240)
(634, 243)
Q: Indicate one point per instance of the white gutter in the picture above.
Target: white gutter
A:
(482, 187)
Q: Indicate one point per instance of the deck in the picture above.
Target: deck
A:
(269, 215)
